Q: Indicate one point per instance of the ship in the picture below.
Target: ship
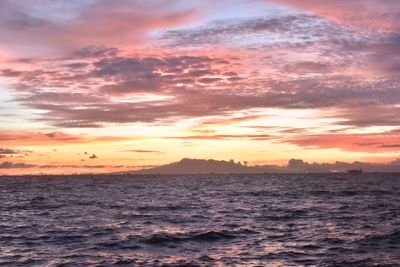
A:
(359, 171)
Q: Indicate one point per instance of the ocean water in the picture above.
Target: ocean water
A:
(201, 220)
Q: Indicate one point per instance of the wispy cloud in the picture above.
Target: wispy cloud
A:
(371, 142)
(18, 138)
(142, 151)
(10, 165)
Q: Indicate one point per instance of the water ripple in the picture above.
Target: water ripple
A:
(200, 220)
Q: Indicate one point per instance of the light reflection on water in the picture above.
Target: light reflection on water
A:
(241, 220)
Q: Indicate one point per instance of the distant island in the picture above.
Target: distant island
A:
(207, 166)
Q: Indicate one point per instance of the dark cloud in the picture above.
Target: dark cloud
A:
(142, 151)
(370, 115)
(10, 165)
(223, 32)
(77, 124)
(93, 52)
(8, 151)
(150, 72)
(147, 84)
(14, 153)
(391, 146)
(10, 73)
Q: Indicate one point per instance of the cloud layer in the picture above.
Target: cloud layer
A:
(76, 71)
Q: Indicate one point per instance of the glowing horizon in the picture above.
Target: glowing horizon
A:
(107, 86)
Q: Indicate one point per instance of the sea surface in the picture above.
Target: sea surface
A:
(201, 220)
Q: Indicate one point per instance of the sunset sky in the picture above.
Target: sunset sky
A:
(107, 86)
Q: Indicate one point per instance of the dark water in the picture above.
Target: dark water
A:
(243, 220)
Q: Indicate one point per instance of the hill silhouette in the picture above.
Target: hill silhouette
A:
(206, 166)
(200, 166)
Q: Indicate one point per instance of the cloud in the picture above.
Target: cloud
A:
(259, 137)
(373, 14)
(287, 62)
(326, 66)
(147, 74)
(8, 151)
(59, 97)
(10, 165)
(14, 153)
(80, 103)
(225, 32)
(309, 67)
(370, 115)
(351, 96)
(26, 138)
(369, 142)
(148, 84)
(79, 24)
(79, 166)
(142, 151)
(93, 51)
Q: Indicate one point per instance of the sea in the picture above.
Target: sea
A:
(200, 220)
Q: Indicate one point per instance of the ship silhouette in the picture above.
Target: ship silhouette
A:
(359, 171)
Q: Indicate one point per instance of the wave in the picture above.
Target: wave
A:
(207, 236)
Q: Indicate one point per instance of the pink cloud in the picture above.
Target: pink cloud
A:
(373, 14)
(124, 23)
(309, 65)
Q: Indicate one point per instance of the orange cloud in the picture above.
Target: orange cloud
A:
(25, 138)
(257, 137)
(373, 143)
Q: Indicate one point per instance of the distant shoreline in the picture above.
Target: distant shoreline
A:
(189, 166)
(209, 174)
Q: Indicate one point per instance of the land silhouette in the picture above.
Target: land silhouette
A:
(206, 166)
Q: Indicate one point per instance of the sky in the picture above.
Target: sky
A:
(108, 86)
